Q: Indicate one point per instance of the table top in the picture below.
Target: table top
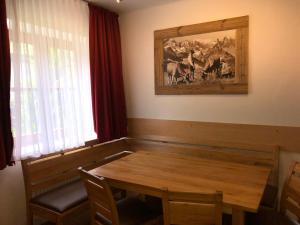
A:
(145, 171)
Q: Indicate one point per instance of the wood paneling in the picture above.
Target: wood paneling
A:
(216, 134)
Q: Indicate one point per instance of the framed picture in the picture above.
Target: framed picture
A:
(205, 58)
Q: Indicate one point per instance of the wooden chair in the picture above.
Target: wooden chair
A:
(289, 203)
(192, 208)
(104, 209)
(290, 197)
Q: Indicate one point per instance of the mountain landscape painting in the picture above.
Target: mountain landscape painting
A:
(200, 59)
(204, 58)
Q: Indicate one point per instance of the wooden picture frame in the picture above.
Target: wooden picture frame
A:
(193, 59)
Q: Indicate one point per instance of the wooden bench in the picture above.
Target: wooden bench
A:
(45, 173)
(53, 188)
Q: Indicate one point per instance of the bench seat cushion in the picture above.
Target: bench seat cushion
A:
(64, 197)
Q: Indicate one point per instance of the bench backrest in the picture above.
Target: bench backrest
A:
(49, 171)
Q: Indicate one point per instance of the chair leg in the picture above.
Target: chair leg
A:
(59, 221)
(94, 222)
(155, 221)
(29, 217)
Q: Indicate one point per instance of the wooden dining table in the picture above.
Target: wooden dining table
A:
(150, 172)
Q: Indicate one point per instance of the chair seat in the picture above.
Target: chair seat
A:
(269, 198)
(64, 197)
(132, 211)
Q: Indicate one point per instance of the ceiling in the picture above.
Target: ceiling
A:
(129, 5)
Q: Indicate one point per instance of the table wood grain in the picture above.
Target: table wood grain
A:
(150, 172)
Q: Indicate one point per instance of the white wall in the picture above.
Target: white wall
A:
(274, 74)
(274, 71)
(12, 196)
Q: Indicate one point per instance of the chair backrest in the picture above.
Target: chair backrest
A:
(192, 208)
(102, 203)
(290, 197)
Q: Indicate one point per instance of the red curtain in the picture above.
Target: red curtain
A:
(109, 109)
(6, 139)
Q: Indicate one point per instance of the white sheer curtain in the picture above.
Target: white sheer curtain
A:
(50, 86)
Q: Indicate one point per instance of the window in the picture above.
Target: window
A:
(50, 85)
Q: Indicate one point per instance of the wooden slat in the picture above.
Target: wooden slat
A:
(102, 210)
(192, 208)
(97, 223)
(294, 195)
(62, 163)
(54, 180)
(294, 182)
(290, 198)
(216, 134)
(292, 208)
(204, 198)
(191, 213)
(297, 169)
(97, 194)
(226, 24)
(264, 154)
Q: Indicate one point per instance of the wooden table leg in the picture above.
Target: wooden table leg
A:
(238, 217)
